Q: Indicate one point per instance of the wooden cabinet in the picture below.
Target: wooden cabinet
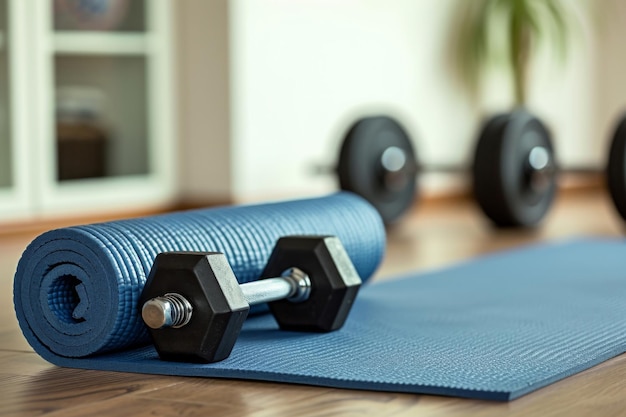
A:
(86, 106)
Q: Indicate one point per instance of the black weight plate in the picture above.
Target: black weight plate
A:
(360, 166)
(500, 174)
(616, 168)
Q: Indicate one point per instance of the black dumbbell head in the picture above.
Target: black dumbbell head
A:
(219, 308)
(504, 180)
(364, 169)
(616, 168)
(334, 282)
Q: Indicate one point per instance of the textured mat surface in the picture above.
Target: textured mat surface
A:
(494, 328)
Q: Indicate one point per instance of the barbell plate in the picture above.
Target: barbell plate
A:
(502, 186)
(377, 161)
(616, 168)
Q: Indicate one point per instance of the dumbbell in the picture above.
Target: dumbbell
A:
(195, 308)
(513, 171)
(514, 197)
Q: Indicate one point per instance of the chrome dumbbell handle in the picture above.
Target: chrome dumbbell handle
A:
(174, 310)
(294, 285)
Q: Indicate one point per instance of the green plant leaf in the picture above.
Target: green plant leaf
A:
(529, 22)
(561, 27)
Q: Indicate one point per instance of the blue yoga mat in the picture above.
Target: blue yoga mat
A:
(494, 328)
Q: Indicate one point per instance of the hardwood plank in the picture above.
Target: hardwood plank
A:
(22, 363)
(274, 399)
(439, 235)
(129, 406)
(13, 340)
(61, 389)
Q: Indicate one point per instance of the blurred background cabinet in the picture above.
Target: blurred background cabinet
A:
(14, 193)
(86, 106)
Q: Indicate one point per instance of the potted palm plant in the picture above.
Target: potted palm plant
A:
(514, 175)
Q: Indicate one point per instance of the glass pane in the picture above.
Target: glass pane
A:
(5, 128)
(99, 15)
(101, 113)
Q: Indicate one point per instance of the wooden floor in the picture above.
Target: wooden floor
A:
(435, 235)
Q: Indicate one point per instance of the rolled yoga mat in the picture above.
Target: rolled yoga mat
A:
(494, 328)
(76, 289)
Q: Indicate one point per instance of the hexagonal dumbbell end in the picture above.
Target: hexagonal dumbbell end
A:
(208, 331)
(334, 282)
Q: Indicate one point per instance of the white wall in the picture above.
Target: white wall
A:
(570, 95)
(302, 71)
(609, 100)
(204, 103)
